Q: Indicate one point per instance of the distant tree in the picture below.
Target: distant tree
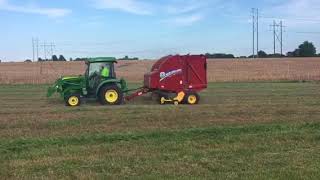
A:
(28, 60)
(128, 58)
(262, 54)
(306, 49)
(219, 55)
(70, 59)
(290, 54)
(40, 59)
(61, 58)
(55, 58)
(277, 55)
(80, 59)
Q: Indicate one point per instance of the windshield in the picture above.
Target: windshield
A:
(96, 68)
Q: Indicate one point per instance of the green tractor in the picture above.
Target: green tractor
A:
(99, 82)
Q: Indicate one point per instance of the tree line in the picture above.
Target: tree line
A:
(62, 58)
(306, 49)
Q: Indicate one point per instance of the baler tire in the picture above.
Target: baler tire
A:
(191, 96)
(159, 99)
(112, 89)
(73, 100)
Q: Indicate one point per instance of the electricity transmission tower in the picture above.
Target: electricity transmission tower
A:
(35, 49)
(255, 32)
(48, 50)
(277, 29)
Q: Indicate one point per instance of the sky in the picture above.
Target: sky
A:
(150, 28)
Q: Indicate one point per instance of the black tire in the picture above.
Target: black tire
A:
(116, 93)
(73, 100)
(191, 98)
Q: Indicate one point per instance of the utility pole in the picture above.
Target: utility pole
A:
(32, 49)
(45, 50)
(35, 49)
(253, 33)
(37, 44)
(281, 38)
(257, 32)
(51, 48)
(274, 37)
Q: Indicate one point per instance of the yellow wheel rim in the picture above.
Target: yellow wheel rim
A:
(192, 99)
(73, 101)
(111, 96)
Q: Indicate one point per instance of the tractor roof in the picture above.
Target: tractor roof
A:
(102, 59)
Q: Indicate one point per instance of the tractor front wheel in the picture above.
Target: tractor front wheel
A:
(73, 100)
(110, 95)
(191, 98)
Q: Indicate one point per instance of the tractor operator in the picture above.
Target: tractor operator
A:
(105, 71)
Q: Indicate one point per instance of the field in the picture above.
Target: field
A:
(239, 131)
(218, 70)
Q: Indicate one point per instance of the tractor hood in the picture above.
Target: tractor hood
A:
(71, 79)
(65, 82)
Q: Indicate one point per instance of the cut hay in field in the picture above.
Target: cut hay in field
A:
(133, 71)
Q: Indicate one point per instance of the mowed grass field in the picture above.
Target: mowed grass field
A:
(238, 131)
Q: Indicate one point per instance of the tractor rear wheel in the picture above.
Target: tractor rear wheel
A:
(110, 95)
(191, 98)
(73, 100)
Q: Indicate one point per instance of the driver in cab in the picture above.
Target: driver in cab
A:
(105, 71)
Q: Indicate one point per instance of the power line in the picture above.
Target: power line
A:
(305, 32)
(288, 18)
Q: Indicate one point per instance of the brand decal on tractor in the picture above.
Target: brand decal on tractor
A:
(164, 75)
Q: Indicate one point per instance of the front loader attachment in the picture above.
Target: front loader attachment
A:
(51, 91)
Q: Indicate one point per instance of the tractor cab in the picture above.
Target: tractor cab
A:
(99, 70)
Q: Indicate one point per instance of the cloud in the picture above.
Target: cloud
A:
(129, 6)
(174, 12)
(186, 20)
(185, 12)
(33, 9)
(184, 7)
(298, 12)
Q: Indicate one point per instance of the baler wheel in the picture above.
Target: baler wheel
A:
(110, 95)
(191, 98)
(73, 100)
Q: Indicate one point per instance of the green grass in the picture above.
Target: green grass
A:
(238, 131)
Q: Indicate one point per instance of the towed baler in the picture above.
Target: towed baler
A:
(176, 79)
(173, 79)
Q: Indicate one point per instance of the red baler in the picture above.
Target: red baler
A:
(176, 79)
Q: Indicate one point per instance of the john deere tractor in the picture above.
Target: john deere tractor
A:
(99, 82)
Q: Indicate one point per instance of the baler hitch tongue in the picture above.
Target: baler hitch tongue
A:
(139, 92)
